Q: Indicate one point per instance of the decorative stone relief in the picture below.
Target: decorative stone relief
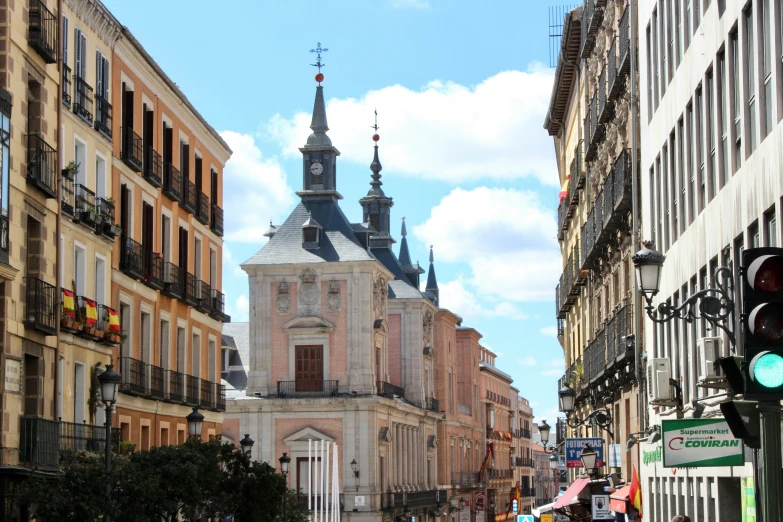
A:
(333, 300)
(427, 328)
(380, 291)
(308, 293)
(283, 297)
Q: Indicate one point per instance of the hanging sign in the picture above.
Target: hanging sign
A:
(600, 508)
(574, 447)
(690, 443)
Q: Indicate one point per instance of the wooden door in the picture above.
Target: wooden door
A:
(309, 373)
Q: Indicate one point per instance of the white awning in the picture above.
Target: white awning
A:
(546, 508)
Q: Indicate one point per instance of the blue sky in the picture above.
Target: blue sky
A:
(461, 88)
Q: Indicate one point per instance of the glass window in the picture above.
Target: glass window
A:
(681, 170)
(750, 80)
(692, 165)
(710, 139)
(677, 30)
(770, 228)
(673, 189)
(697, 142)
(766, 54)
(649, 76)
(723, 114)
(5, 142)
(665, 197)
(687, 21)
(736, 113)
(656, 66)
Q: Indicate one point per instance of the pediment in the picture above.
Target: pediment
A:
(308, 323)
(306, 434)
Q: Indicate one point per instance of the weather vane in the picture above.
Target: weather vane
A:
(376, 137)
(318, 50)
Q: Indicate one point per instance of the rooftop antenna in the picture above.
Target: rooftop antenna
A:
(556, 15)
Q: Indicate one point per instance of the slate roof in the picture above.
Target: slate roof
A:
(239, 334)
(338, 242)
(400, 286)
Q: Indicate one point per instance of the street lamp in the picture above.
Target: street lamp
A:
(543, 430)
(589, 458)
(355, 469)
(247, 445)
(195, 421)
(567, 397)
(553, 461)
(285, 460)
(109, 381)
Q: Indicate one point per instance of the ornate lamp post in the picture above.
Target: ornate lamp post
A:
(195, 422)
(247, 445)
(589, 459)
(109, 381)
(285, 460)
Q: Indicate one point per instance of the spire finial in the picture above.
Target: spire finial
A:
(376, 166)
(404, 231)
(432, 257)
(319, 77)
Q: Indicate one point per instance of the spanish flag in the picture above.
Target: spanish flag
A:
(69, 310)
(90, 312)
(114, 320)
(635, 493)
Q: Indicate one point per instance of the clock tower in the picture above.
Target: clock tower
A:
(319, 157)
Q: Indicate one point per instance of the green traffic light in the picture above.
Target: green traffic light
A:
(768, 370)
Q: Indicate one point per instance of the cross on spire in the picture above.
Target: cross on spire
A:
(376, 122)
(319, 50)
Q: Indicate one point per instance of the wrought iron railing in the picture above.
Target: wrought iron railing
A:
(132, 258)
(103, 115)
(42, 31)
(41, 165)
(207, 398)
(85, 210)
(83, 102)
(202, 208)
(172, 182)
(464, 478)
(176, 386)
(387, 388)
(65, 88)
(84, 437)
(172, 280)
(622, 181)
(157, 382)
(133, 373)
(67, 196)
(204, 292)
(4, 238)
(153, 269)
(611, 342)
(192, 393)
(189, 195)
(132, 149)
(40, 299)
(306, 389)
(191, 294)
(217, 311)
(153, 167)
(217, 220)
(220, 396)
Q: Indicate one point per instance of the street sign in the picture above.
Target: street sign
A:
(515, 506)
(546, 517)
(690, 443)
(574, 447)
(525, 518)
(600, 508)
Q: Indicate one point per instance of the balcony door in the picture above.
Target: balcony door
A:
(303, 469)
(309, 374)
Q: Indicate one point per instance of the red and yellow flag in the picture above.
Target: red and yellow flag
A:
(114, 320)
(635, 493)
(69, 310)
(90, 312)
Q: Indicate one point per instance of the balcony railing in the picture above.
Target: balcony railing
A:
(524, 462)
(172, 280)
(388, 389)
(106, 225)
(41, 165)
(172, 182)
(592, 16)
(176, 386)
(207, 398)
(217, 220)
(422, 499)
(204, 292)
(605, 106)
(190, 294)
(153, 167)
(192, 385)
(624, 328)
(103, 116)
(464, 478)
(622, 182)
(66, 86)
(306, 389)
(391, 501)
(132, 258)
(217, 310)
(40, 299)
(202, 210)
(83, 102)
(42, 31)
(220, 396)
(134, 376)
(85, 212)
(500, 474)
(4, 235)
(620, 59)
(153, 270)
(68, 198)
(157, 382)
(42, 440)
(132, 149)
(189, 195)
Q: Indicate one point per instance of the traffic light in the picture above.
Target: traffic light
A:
(762, 321)
(743, 420)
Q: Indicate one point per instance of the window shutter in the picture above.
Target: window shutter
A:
(84, 56)
(105, 81)
(77, 63)
(98, 73)
(65, 40)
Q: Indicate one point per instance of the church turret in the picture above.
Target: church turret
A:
(319, 167)
(376, 205)
(432, 281)
(412, 272)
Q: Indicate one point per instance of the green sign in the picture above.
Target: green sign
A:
(690, 443)
(651, 456)
(748, 500)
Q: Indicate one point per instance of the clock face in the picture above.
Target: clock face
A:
(316, 169)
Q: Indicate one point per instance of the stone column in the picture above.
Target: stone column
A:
(397, 456)
(411, 482)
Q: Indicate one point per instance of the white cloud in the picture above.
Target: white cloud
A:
(553, 372)
(507, 239)
(254, 191)
(550, 331)
(410, 4)
(444, 131)
(527, 361)
(242, 309)
(550, 415)
(456, 297)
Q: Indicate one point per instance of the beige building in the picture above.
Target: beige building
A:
(524, 462)
(589, 119)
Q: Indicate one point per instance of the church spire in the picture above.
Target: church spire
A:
(376, 166)
(432, 281)
(405, 256)
(376, 204)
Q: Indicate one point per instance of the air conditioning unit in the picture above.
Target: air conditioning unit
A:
(709, 351)
(659, 390)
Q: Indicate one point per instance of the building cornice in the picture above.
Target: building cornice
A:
(98, 18)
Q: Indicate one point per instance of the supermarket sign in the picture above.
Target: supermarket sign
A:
(691, 443)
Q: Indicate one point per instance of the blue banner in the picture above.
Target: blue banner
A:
(574, 447)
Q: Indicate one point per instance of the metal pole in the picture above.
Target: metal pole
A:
(108, 462)
(771, 473)
(285, 498)
(756, 488)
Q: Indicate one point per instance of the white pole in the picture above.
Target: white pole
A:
(309, 476)
(316, 464)
(323, 480)
(328, 483)
(336, 485)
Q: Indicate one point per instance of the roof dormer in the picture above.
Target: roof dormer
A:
(311, 233)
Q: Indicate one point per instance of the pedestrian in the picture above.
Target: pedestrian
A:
(681, 518)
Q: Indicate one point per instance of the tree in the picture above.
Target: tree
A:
(197, 481)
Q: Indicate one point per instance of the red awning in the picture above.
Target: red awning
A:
(619, 499)
(571, 493)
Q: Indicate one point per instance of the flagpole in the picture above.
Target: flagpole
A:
(309, 478)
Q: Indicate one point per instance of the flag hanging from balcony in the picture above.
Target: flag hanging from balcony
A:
(490, 453)
(564, 188)
(90, 312)
(635, 493)
(114, 320)
(69, 310)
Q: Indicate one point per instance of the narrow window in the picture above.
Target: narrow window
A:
(658, 212)
(691, 164)
(100, 280)
(79, 386)
(650, 79)
(665, 198)
(687, 21)
(750, 80)
(697, 142)
(195, 356)
(696, 15)
(664, 41)
(656, 67)
(79, 269)
(723, 114)
(710, 138)
(677, 32)
(736, 113)
(753, 235)
(165, 344)
(670, 39)
(766, 44)
(673, 189)
(681, 171)
(770, 228)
